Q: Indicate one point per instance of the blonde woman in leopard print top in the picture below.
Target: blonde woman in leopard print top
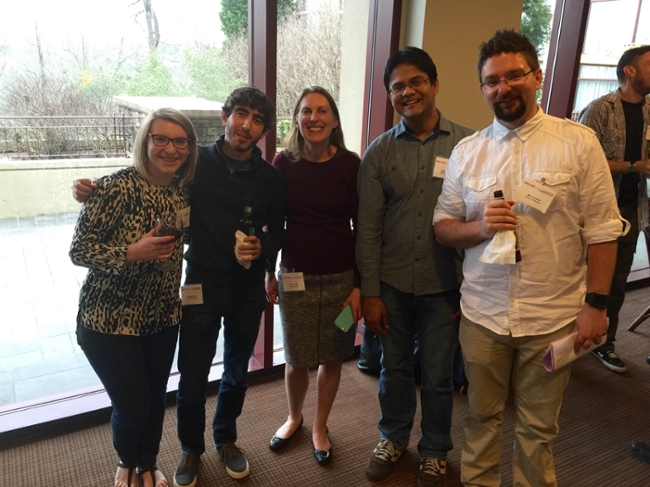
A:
(129, 307)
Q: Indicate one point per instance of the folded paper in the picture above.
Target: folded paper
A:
(560, 352)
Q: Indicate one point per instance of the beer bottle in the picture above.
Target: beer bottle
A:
(246, 222)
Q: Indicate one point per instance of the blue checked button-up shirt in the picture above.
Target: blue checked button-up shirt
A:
(397, 195)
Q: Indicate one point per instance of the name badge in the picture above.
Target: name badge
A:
(535, 194)
(439, 167)
(183, 217)
(192, 294)
(293, 281)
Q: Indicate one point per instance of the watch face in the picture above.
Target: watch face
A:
(596, 300)
(631, 168)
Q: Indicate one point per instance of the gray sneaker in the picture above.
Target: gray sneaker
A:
(187, 470)
(383, 459)
(431, 470)
(234, 460)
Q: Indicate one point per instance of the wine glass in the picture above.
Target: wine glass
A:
(166, 226)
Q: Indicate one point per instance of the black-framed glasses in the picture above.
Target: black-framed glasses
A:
(398, 88)
(162, 141)
(512, 80)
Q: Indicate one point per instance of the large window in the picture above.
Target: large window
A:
(75, 79)
(114, 62)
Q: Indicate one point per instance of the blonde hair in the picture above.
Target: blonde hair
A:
(186, 172)
(294, 142)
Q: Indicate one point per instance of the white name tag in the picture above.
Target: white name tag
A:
(192, 294)
(439, 167)
(535, 194)
(293, 281)
(183, 217)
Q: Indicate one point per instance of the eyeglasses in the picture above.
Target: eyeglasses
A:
(512, 80)
(399, 88)
(162, 141)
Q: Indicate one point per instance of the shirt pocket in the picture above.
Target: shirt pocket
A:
(396, 180)
(559, 182)
(478, 191)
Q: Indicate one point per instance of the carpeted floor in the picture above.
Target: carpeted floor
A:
(602, 412)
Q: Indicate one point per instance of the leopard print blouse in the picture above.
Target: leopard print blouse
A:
(119, 297)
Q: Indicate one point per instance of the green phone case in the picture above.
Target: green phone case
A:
(344, 320)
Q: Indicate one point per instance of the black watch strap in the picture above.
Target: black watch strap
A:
(596, 300)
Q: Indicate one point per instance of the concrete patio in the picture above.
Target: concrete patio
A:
(39, 290)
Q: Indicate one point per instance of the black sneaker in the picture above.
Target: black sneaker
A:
(610, 360)
(234, 460)
(383, 459)
(187, 470)
(431, 471)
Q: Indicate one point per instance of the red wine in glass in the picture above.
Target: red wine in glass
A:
(164, 228)
(162, 231)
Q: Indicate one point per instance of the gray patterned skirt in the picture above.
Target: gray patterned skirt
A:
(310, 336)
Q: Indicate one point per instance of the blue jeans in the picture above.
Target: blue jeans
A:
(431, 317)
(240, 306)
(134, 371)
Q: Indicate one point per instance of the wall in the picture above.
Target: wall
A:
(31, 188)
(354, 40)
(451, 32)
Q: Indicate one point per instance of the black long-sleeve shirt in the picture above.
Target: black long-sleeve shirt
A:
(217, 198)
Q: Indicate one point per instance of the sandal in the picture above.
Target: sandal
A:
(120, 464)
(151, 471)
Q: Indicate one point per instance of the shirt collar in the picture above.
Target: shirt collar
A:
(526, 130)
(443, 127)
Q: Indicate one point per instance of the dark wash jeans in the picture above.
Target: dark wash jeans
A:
(134, 371)
(431, 317)
(240, 307)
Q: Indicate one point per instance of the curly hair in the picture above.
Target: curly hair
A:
(253, 98)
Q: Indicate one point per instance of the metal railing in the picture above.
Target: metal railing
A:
(55, 137)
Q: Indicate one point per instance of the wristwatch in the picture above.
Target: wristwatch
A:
(596, 300)
(631, 168)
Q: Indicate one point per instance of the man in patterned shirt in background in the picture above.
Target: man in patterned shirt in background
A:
(621, 120)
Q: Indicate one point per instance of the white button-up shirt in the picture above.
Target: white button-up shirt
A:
(544, 291)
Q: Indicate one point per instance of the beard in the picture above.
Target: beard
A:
(512, 115)
(641, 86)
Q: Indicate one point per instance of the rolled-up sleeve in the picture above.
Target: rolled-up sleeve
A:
(450, 203)
(601, 219)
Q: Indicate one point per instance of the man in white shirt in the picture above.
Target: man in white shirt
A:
(512, 311)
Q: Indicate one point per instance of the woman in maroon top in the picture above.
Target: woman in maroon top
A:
(322, 202)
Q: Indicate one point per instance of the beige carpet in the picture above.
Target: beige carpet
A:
(602, 412)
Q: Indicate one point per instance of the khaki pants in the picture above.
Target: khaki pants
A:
(491, 361)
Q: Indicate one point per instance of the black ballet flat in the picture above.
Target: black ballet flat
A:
(323, 457)
(276, 444)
